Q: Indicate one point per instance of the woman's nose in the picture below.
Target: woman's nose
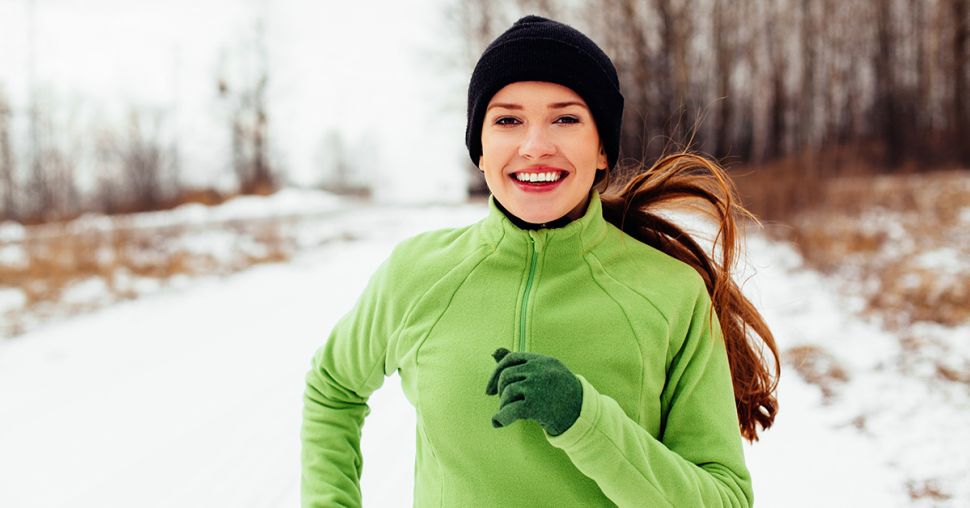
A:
(536, 143)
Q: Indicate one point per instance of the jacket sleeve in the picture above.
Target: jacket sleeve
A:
(697, 459)
(349, 367)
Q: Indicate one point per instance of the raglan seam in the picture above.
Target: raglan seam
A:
(417, 352)
(407, 316)
(421, 341)
(633, 329)
(631, 288)
(695, 279)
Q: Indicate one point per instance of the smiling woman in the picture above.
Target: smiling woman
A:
(540, 151)
(619, 352)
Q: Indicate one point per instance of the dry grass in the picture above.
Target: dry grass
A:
(819, 367)
(953, 375)
(904, 240)
(57, 258)
(203, 196)
(780, 189)
(926, 489)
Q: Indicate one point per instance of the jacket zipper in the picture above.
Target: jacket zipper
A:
(528, 289)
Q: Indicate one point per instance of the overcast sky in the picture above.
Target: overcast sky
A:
(371, 70)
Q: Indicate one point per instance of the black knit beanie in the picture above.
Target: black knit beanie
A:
(540, 49)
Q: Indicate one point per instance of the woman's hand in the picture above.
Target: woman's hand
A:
(535, 387)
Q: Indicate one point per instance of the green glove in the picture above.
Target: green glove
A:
(535, 387)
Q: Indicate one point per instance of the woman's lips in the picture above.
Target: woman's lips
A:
(539, 186)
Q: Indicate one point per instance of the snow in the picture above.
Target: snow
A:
(217, 239)
(11, 298)
(286, 202)
(945, 260)
(11, 231)
(192, 395)
(89, 290)
(912, 423)
(806, 461)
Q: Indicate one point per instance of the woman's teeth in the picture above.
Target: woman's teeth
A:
(551, 176)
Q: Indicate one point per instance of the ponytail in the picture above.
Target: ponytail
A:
(684, 179)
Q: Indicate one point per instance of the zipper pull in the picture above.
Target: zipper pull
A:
(536, 237)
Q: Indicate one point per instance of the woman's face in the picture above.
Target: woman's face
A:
(540, 151)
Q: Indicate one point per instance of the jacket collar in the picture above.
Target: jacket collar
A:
(558, 223)
(577, 236)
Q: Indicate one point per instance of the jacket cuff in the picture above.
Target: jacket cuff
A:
(588, 417)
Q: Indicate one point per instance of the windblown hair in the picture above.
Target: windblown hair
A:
(687, 180)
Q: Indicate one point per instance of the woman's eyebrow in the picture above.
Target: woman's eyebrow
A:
(554, 105)
(560, 105)
(505, 105)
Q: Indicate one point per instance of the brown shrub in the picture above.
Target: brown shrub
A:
(926, 489)
(817, 366)
(58, 257)
(871, 231)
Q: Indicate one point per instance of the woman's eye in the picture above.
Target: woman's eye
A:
(567, 119)
(506, 120)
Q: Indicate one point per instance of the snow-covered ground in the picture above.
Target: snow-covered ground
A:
(190, 240)
(192, 395)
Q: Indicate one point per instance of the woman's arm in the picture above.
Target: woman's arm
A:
(345, 371)
(698, 459)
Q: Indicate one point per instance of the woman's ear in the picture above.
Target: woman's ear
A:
(480, 163)
(601, 161)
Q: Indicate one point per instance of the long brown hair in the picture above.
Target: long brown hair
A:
(687, 180)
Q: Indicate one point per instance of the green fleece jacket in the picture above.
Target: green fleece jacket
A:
(657, 427)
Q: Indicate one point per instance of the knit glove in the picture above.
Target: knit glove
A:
(535, 387)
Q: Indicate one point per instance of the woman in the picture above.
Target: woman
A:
(563, 351)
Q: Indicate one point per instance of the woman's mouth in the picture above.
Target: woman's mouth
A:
(538, 181)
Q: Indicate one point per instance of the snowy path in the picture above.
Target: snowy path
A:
(192, 398)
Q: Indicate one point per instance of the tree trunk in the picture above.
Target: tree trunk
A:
(961, 122)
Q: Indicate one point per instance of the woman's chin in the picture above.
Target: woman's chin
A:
(536, 217)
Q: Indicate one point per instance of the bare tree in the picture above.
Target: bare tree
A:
(149, 170)
(886, 113)
(809, 46)
(245, 93)
(876, 84)
(339, 161)
(724, 39)
(108, 196)
(51, 191)
(634, 54)
(8, 182)
(475, 23)
(676, 30)
(961, 116)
